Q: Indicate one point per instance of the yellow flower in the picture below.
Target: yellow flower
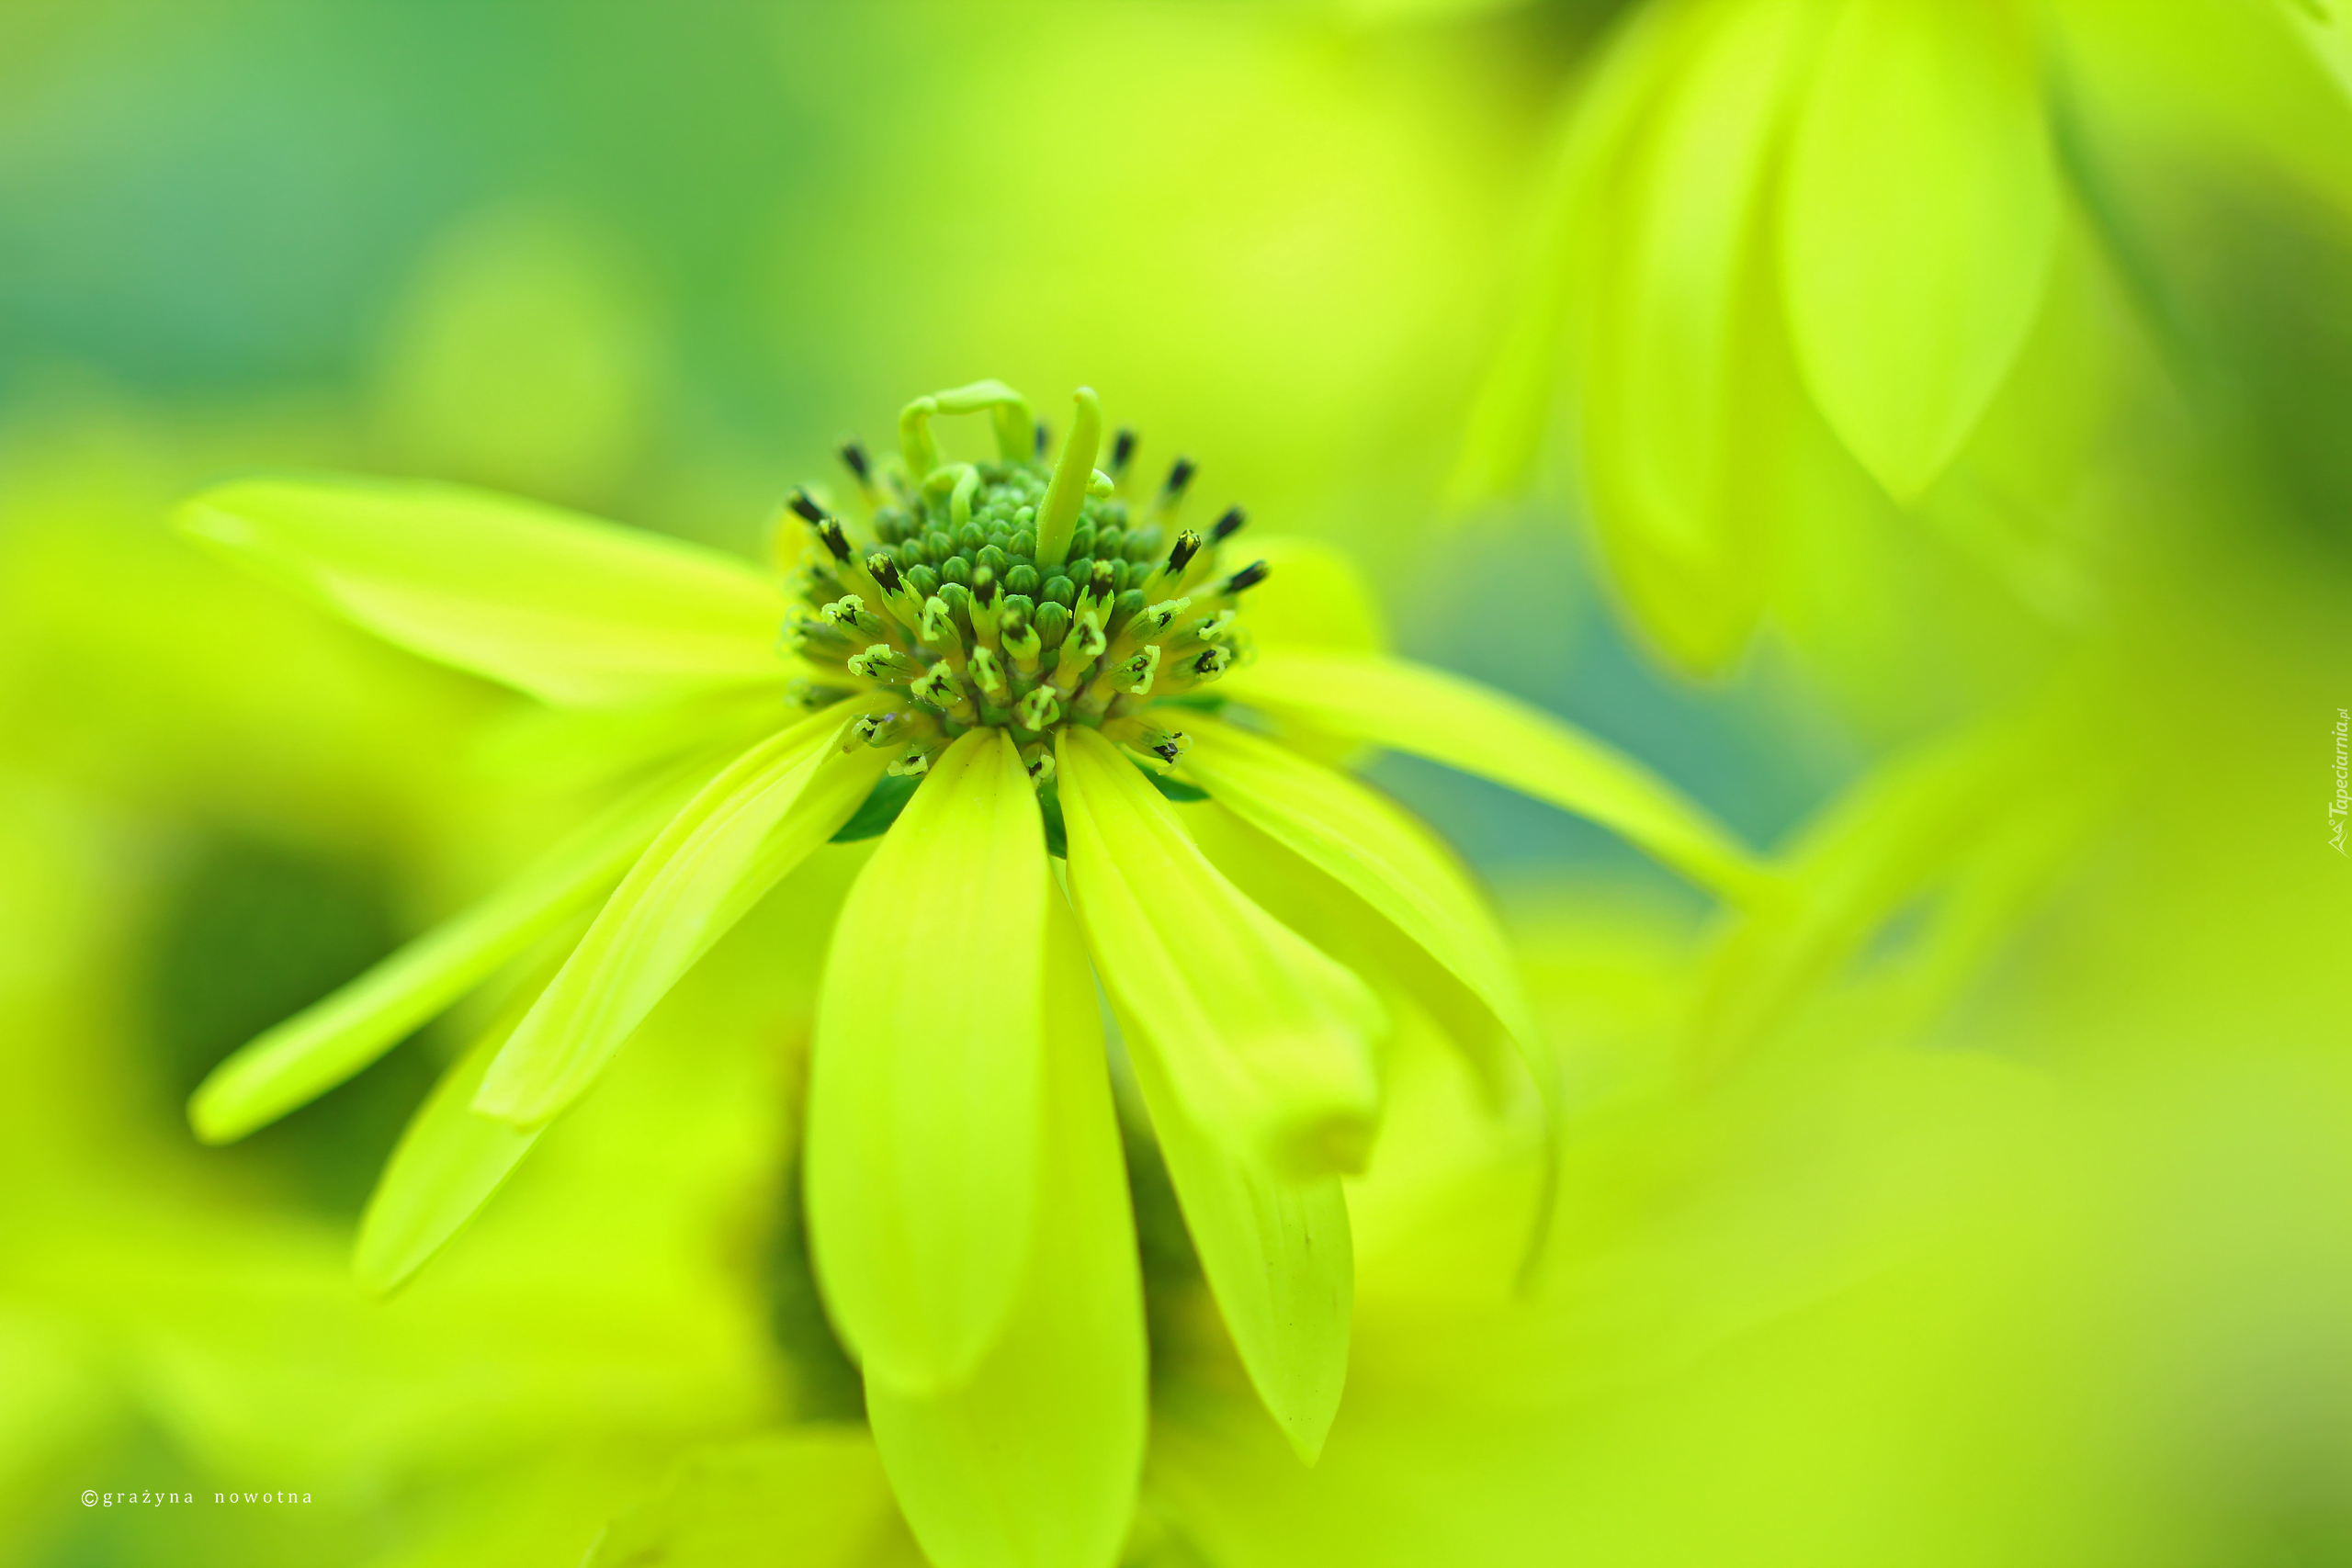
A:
(993, 666)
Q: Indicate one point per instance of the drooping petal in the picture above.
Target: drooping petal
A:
(1411, 708)
(1266, 1040)
(1033, 1462)
(1372, 847)
(1920, 216)
(718, 857)
(1512, 414)
(574, 611)
(295, 1062)
(1683, 393)
(450, 1160)
(926, 1077)
(1277, 1254)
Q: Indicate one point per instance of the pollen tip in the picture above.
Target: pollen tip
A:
(1224, 527)
(1178, 476)
(805, 505)
(1123, 451)
(852, 454)
(1248, 577)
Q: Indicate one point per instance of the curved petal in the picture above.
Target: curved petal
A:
(1919, 217)
(1411, 708)
(1372, 847)
(295, 1062)
(1276, 1251)
(718, 857)
(449, 1161)
(926, 1077)
(1033, 1461)
(1678, 413)
(1266, 1040)
(574, 611)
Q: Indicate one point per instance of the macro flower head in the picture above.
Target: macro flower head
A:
(1101, 783)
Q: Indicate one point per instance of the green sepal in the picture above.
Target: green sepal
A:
(873, 819)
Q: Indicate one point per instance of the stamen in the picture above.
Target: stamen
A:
(1141, 667)
(1038, 709)
(884, 664)
(1224, 527)
(854, 457)
(1248, 577)
(801, 501)
(985, 671)
(1123, 451)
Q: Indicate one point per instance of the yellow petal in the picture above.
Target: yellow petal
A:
(1276, 1251)
(1375, 850)
(295, 1062)
(1033, 1461)
(718, 857)
(926, 1078)
(450, 1162)
(571, 610)
(1919, 217)
(1266, 1040)
(1411, 708)
(1682, 394)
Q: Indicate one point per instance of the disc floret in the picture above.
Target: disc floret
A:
(1013, 593)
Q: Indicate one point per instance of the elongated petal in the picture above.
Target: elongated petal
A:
(1277, 1254)
(1266, 1040)
(927, 1075)
(1411, 708)
(1374, 848)
(718, 857)
(1033, 1461)
(1683, 393)
(1920, 217)
(571, 610)
(301, 1058)
(1511, 416)
(450, 1160)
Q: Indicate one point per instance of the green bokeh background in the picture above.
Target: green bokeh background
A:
(2031, 1246)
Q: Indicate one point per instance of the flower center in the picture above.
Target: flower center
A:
(1011, 595)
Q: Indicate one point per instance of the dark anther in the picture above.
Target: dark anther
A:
(1104, 582)
(854, 455)
(1188, 545)
(984, 587)
(1168, 750)
(829, 531)
(805, 505)
(1224, 527)
(1123, 451)
(885, 570)
(1045, 439)
(1246, 578)
(1179, 476)
(1210, 661)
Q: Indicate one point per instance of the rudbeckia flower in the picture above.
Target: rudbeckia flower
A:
(1022, 677)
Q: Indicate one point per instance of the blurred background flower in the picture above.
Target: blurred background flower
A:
(1983, 1202)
